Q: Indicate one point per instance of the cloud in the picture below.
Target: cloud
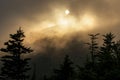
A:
(23, 12)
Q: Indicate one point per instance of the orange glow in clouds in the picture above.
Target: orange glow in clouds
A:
(63, 22)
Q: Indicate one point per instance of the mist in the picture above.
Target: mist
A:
(51, 40)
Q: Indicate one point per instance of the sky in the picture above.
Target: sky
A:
(34, 14)
(46, 20)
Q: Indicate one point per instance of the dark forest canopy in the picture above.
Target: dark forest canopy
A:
(102, 62)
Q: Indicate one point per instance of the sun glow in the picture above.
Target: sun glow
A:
(66, 21)
(67, 12)
(87, 20)
(63, 23)
(84, 22)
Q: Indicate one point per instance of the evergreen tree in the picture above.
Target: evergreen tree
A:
(116, 49)
(14, 65)
(106, 63)
(93, 47)
(66, 71)
(106, 58)
(88, 71)
(86, 74)
(106, 54)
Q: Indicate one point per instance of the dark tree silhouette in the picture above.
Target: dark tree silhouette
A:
(66, 71)
(14, 65)
(116, 49)
(107, 62)
(104, 63)
(88, 71)
(93, 47)
(109, 58)
(106, 54)
(86, 74)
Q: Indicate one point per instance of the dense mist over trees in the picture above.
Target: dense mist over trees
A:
(102, 61)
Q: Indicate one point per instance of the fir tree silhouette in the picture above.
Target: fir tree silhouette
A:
(106, 63)
(106, 53)
(88, 71)
(66, 71)
(116, 49)
(93, 47)
(109, 59)
(14, 65)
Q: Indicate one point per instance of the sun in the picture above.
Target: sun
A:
(63, 19)
(67, 12)
(85, 22)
